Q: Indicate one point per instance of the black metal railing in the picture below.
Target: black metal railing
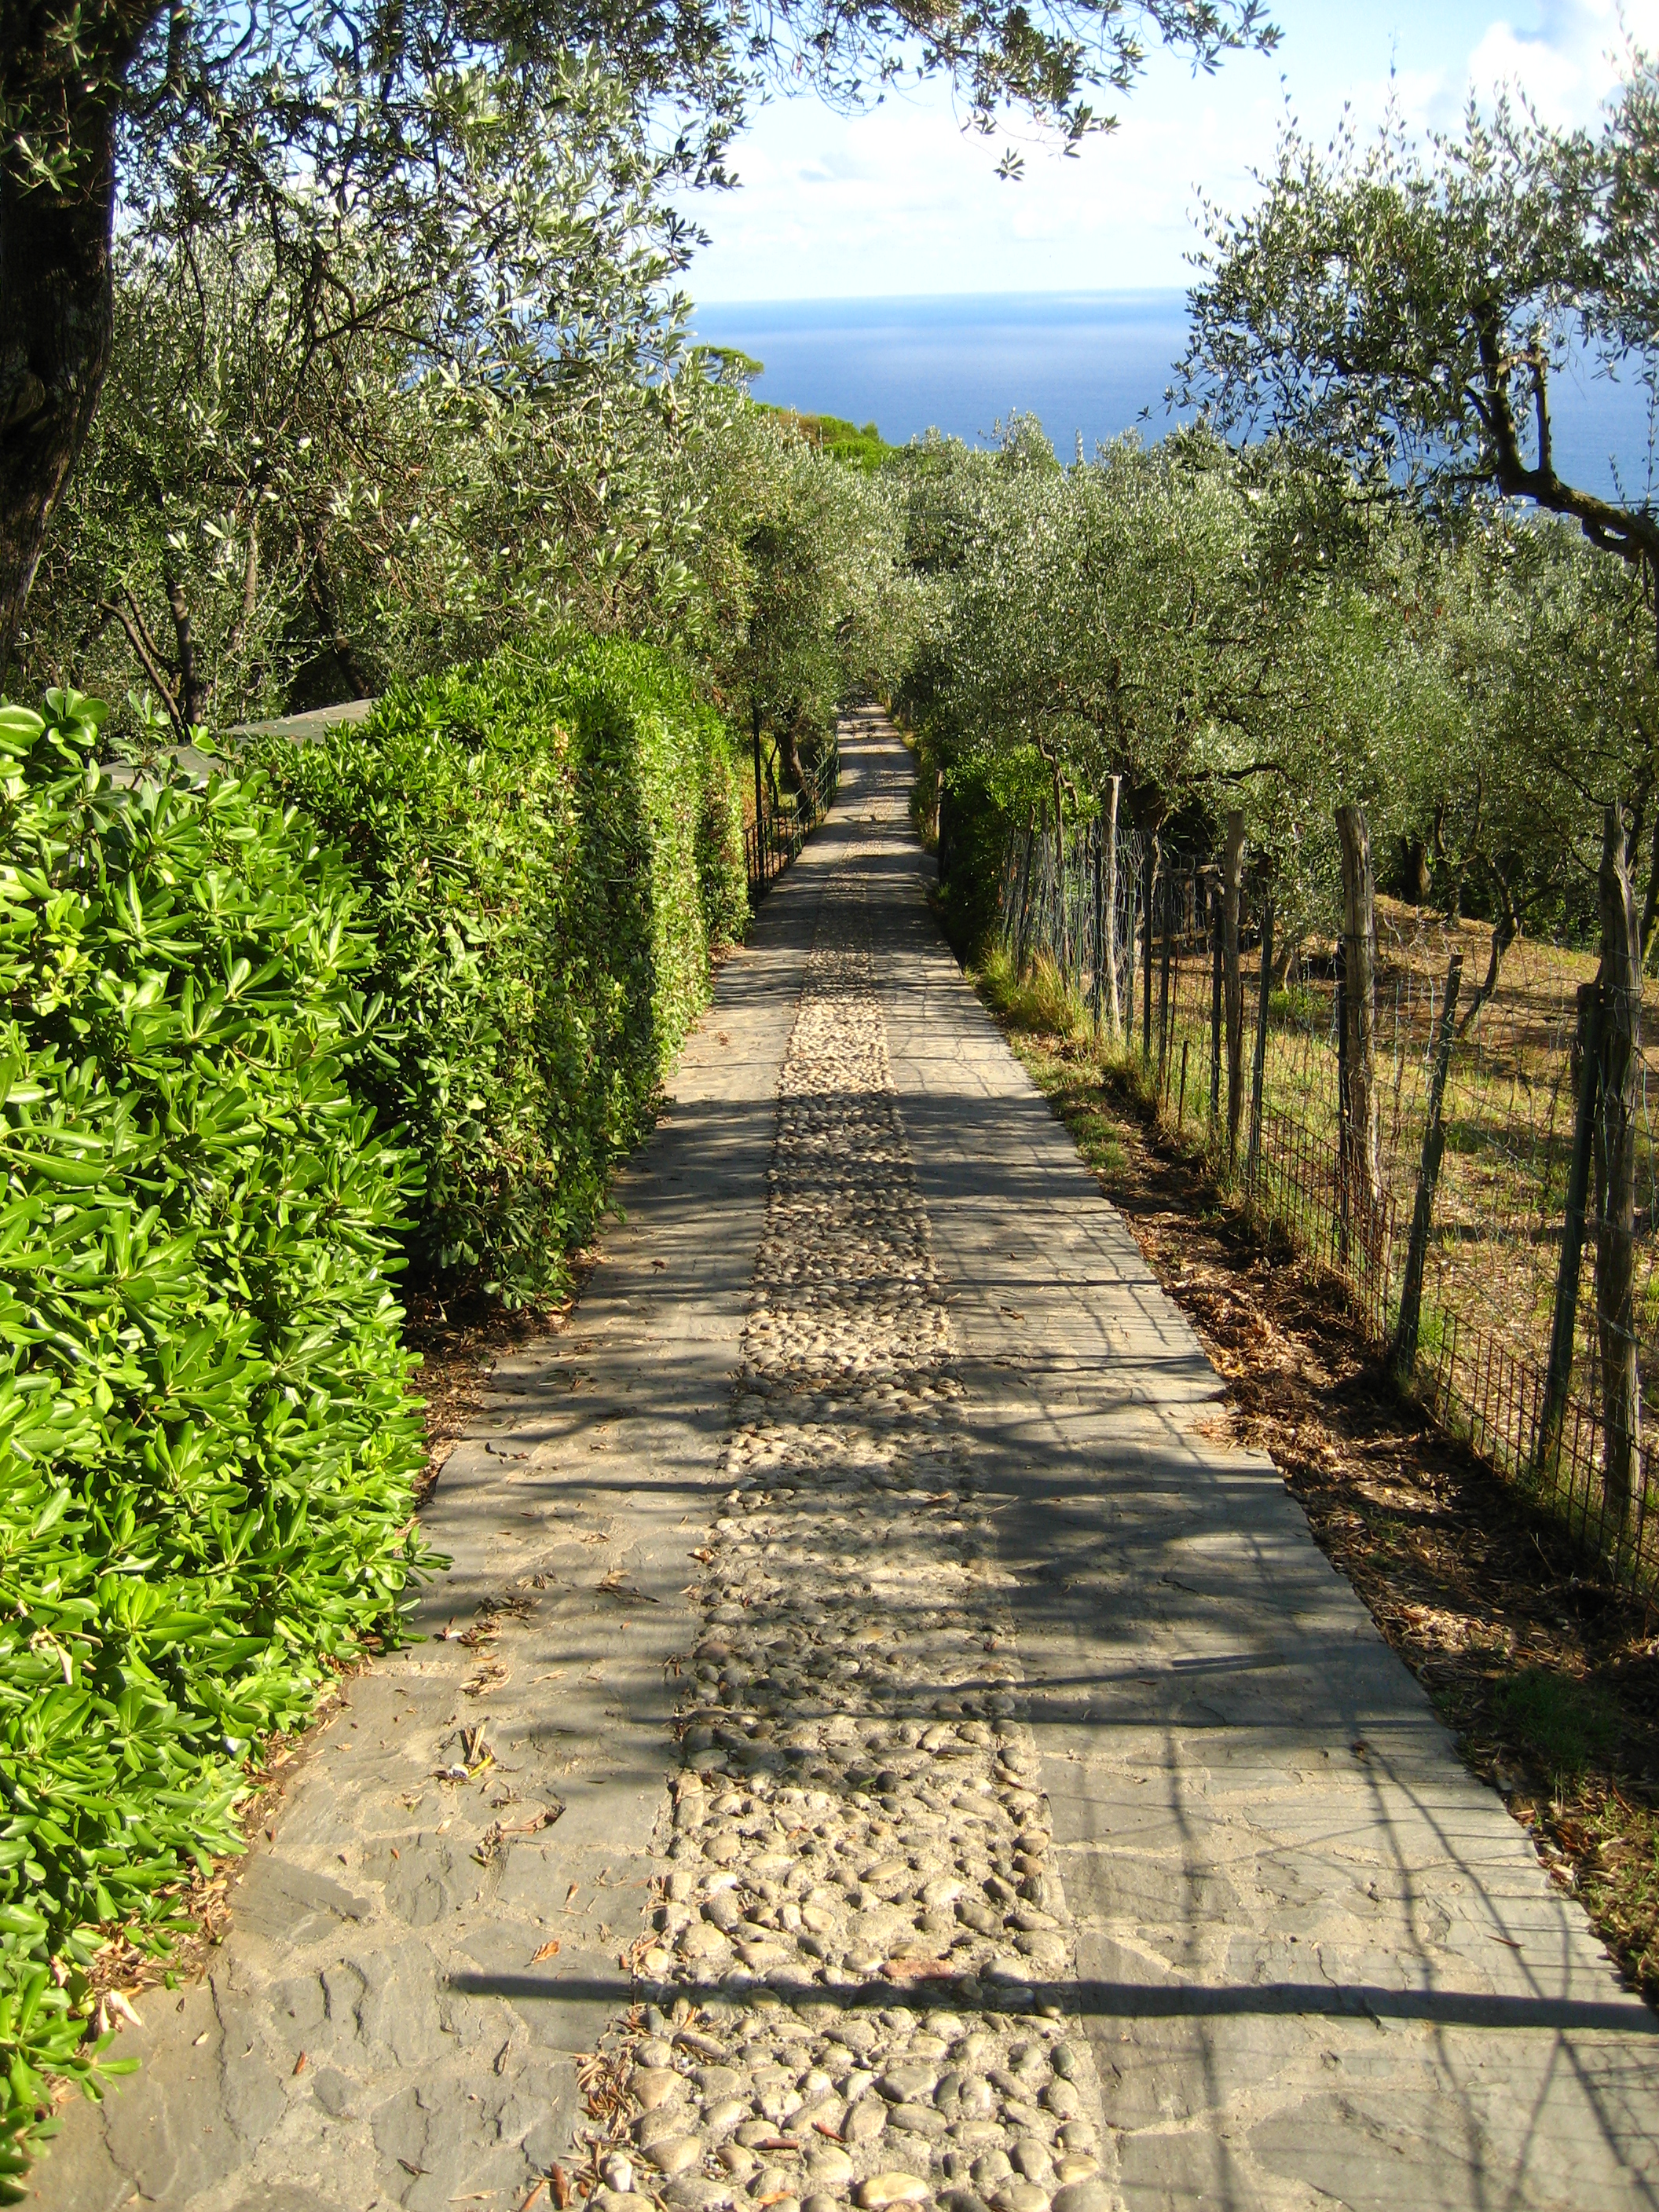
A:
(771, 842)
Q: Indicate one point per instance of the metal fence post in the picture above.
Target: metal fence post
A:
(1215, 1007)
(1150, 870)
(1164, 983)
(760, 795)
(1343, 1103)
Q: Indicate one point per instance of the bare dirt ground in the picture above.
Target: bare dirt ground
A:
(1549, 1679)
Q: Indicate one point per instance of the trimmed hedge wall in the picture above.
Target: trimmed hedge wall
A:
(550, 853)
(209, 1449)
(407, 993)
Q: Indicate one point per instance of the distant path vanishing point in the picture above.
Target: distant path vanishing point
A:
(1052, 1830)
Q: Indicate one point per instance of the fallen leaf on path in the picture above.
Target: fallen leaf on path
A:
(300, 2063)
(548, 1950)
(615, 1585)
(559, 2185)
(545, 1819)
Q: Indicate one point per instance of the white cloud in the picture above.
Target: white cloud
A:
(1569, 64)
(902, 200)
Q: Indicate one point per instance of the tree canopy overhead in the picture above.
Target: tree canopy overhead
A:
(417, 124)
(1408, 307)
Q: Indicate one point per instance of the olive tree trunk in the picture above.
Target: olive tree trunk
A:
(56, 306)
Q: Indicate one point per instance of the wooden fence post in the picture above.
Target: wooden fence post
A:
(1615, 1168)
(1558, 1375)
(1359, 1009)
(1232, 879)
(1215, 1008)
(1403, 1351)
(1258, 1071)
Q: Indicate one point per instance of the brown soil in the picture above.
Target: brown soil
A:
(1485, 1599)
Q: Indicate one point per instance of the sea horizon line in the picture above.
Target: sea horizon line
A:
(1161, 295)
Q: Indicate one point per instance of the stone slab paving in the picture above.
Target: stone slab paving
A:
(1049, 1831)
(1318, 1961)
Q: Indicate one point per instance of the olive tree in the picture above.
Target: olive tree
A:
(817, 600)
(313, 115)
(1410, 307)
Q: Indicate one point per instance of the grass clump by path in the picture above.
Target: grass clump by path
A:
(1549, 1677)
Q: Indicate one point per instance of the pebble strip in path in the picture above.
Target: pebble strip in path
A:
(860, 1934)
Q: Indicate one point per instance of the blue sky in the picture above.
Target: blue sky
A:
(901, 200)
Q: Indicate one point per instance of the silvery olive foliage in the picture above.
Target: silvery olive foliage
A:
(309, 475)
(1409, 306)
(1258, 630)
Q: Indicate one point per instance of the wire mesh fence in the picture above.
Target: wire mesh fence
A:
(782, 825)
(1536, 1301)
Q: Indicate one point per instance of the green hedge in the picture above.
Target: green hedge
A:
(974, 827)
(251, 1050)
(208, 1448)
(550, 851)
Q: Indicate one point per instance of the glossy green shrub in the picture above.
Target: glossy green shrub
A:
(551, 848)
(206, 1445)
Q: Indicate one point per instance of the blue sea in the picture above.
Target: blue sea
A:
(1088, 364)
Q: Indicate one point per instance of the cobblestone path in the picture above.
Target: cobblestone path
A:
(970, 1786)
(861, 1828)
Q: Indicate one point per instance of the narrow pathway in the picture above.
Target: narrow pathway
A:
(1051, 1828)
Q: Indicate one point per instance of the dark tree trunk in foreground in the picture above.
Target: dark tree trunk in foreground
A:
(56, 299)
(1615, 1166)
(789, 746)
(1505, 930)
